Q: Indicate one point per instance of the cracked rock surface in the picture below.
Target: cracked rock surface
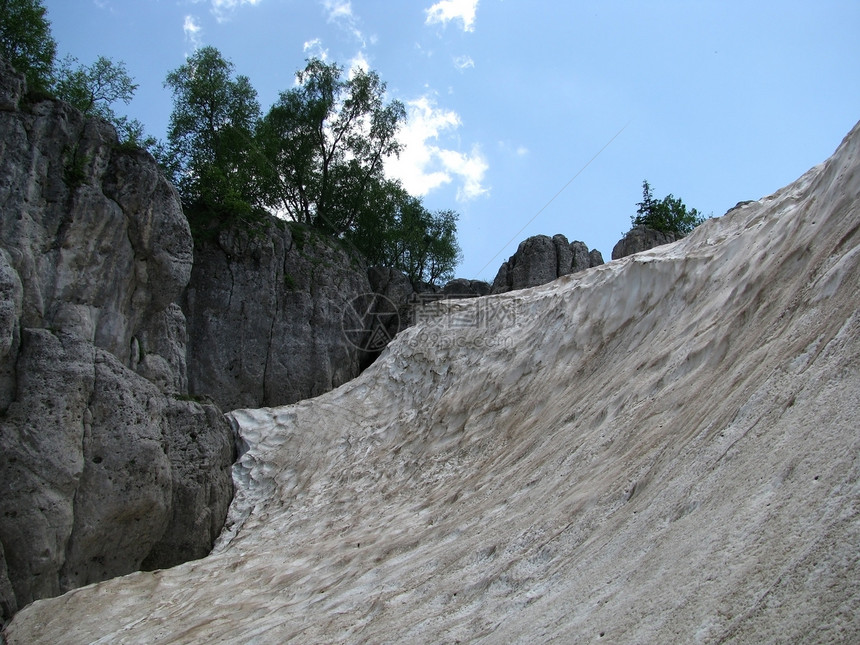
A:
(95, 431)
(265, 316)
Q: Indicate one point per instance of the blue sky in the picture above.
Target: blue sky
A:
(510, 100)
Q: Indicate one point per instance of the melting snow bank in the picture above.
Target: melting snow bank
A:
(660, 449)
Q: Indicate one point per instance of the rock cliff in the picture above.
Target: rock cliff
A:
(103, 467)
(662, 449)
(265, 313)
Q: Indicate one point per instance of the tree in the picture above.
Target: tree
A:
(26, 42)
(95, 89)
(668, 215)
(399, 232)
(316, 158)
(428, 243)
(210, 135)
(326, 140)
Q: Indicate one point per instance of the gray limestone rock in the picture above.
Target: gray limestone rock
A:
(198, 442)
(265, 314)
(638, 239)
(564, 253)
(12, 87)
(103, 484)
(502, 281)
(541, 259)
(388, 312)
(41, 458)
(96, 472)
(8, 604)
(581, 260)
(11, 295)
(466, 288)
(95, 233)
(391, 283)
(123, 494)
(535, 262)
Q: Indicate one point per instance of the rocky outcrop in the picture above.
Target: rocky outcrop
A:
(464, 288)
(266, 312)
(95, 475)
(640, 238)
(541, 259)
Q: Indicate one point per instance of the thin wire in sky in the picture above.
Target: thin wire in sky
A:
(570, 181)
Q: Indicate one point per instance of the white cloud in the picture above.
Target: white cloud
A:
(314, 49)
(471, 169)
(508, 148)
(192, 30)
(445, 11)
(464, 62)
(340, 12)
(224, 8)
(338, 9)
(359, 61)
(424, 164)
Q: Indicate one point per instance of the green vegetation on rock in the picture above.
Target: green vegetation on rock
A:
(316, 158)
(26, 42)
(668, 215)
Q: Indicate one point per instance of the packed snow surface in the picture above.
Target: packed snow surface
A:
(662, 449)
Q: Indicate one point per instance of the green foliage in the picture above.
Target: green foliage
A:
(316, 158)
(299, 234)
(26, 42)
(325, 142)
(95, 89)
(290, 282)
(74, 168)
(210, 136)
(668, 215)
(401, 233)
(427, 244)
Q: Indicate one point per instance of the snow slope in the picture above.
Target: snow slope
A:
(661, 449)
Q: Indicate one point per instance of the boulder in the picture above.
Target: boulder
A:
(581, 260)
(541, 259)
(461, 287)
(638, 239)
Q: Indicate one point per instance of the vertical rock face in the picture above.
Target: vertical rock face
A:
(638, 239)
(94, 253)
(265, 314)
(541, 259)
